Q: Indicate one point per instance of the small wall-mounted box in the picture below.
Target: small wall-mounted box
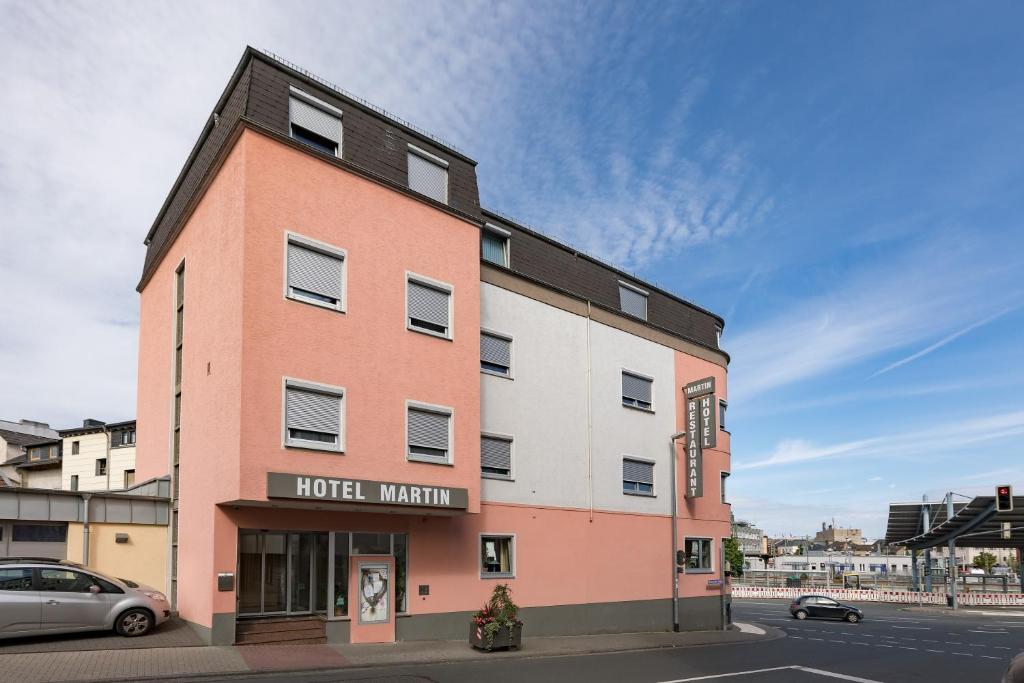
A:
(424, 589)
(120, 538)
(226, 581)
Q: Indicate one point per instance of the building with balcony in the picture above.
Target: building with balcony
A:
(376, 400)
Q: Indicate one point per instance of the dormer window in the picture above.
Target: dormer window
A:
(315, 123)
(632, 300)
(428, 174)
(494, 243)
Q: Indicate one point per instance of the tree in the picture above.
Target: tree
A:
(734, 555)
(985, 561)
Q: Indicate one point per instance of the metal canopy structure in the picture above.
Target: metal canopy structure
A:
(973, 525)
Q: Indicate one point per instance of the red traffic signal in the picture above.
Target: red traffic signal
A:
(1004, 498)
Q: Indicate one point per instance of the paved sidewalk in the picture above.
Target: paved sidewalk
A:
(135, 664)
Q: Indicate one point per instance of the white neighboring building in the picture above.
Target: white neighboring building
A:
(98, 456)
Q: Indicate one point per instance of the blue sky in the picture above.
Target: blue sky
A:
(842, 182)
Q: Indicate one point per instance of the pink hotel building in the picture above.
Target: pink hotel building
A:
(375, 399)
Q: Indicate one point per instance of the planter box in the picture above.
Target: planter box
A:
(503, 640)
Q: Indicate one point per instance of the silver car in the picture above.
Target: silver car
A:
(41, 597)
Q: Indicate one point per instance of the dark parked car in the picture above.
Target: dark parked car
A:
(824, 608)
(1015, 672)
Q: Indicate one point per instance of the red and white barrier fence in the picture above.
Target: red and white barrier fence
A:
(902, 597)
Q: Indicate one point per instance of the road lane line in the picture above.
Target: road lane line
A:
(1000, 647)
(939, 651)
(832, 674)
(749, 628)
(963, 654)
(729, 675)
(904, 647)
(998, 633)
(915, 628)
(821, 639)
(880, 645)
(953, 642)
(928, 640)
(989, 657)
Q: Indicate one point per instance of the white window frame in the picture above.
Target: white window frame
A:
(511, 354)
(291, 237)
(436, 284)
(324, 107)
(507, 236)
(513, 549)
(642, 292)
(511, 457)
(641, 494)
(449, 460)
(724, 476)
(434, 159)
(641, 376)
(711, 555)
(295, 383)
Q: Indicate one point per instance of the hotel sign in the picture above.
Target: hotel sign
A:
(701, 431)
(331, 489)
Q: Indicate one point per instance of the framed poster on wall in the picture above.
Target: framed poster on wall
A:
(374, 606)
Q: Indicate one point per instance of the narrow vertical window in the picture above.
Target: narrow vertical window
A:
(74, 447)
(74, 482)
(722, 405)
(428, 174)
(101, 467)
(725, 476)
(179, 325)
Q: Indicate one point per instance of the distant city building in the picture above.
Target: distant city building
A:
(752, 540)
(98, 456)
(834, 534)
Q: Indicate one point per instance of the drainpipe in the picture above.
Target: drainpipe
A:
(85, 528)
(590, 422)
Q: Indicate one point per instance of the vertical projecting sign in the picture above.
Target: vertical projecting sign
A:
(701, 431)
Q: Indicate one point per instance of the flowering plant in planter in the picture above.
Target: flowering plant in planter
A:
(498, 616)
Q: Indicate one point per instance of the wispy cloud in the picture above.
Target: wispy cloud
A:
(886, 305)
(936, 439)
(942, 342)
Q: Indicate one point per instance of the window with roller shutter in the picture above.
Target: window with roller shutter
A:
(428, 434)
(633, 300)
(637, 477)
(495, 354)
(315, 123)
(428, 174)
(428, 307)
(496, 457)
(313, 415)
(315, 273)
(636, 391)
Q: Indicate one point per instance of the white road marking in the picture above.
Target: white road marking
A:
(953, 642)
(880, 645)
(773, 619)
(904, 647)
(963, 654)
(860, 643)
(915, 628)
(822, 639)
(939, 651)
(806, 669)
(998, 633)
(928, 640)
(989, 657)
(797, 637)
(1000, 647)
(749, 628)
(996, 614)
(837, 641)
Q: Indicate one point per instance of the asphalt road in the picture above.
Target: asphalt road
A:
(891, 645)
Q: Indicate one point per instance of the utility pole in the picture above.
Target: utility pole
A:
(926, 512)
(952, 553)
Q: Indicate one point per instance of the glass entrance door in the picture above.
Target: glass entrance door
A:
(280, 573)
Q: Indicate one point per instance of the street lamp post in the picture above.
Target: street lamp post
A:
(675, 534)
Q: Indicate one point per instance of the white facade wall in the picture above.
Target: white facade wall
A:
(48, 478)
(544, 408)
(91, 447)
(121, 458)
(619, 431)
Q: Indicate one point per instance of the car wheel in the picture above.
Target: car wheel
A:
(134, 622)
(852, 617)
(800, 614)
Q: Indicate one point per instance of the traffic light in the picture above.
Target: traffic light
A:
(1004, 498)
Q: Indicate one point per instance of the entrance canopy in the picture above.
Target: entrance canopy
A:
(973, 525)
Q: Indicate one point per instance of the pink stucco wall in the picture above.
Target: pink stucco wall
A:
(211, 246)
(705, 517)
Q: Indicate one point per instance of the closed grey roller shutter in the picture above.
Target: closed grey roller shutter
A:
(315, 120)
(640, 472)
(632, 302)
(495, 350)
(636, 388)
(428, 429)
(314, 271)
(428, 178)
(495, 453)
(428, 304)
(312, 411)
